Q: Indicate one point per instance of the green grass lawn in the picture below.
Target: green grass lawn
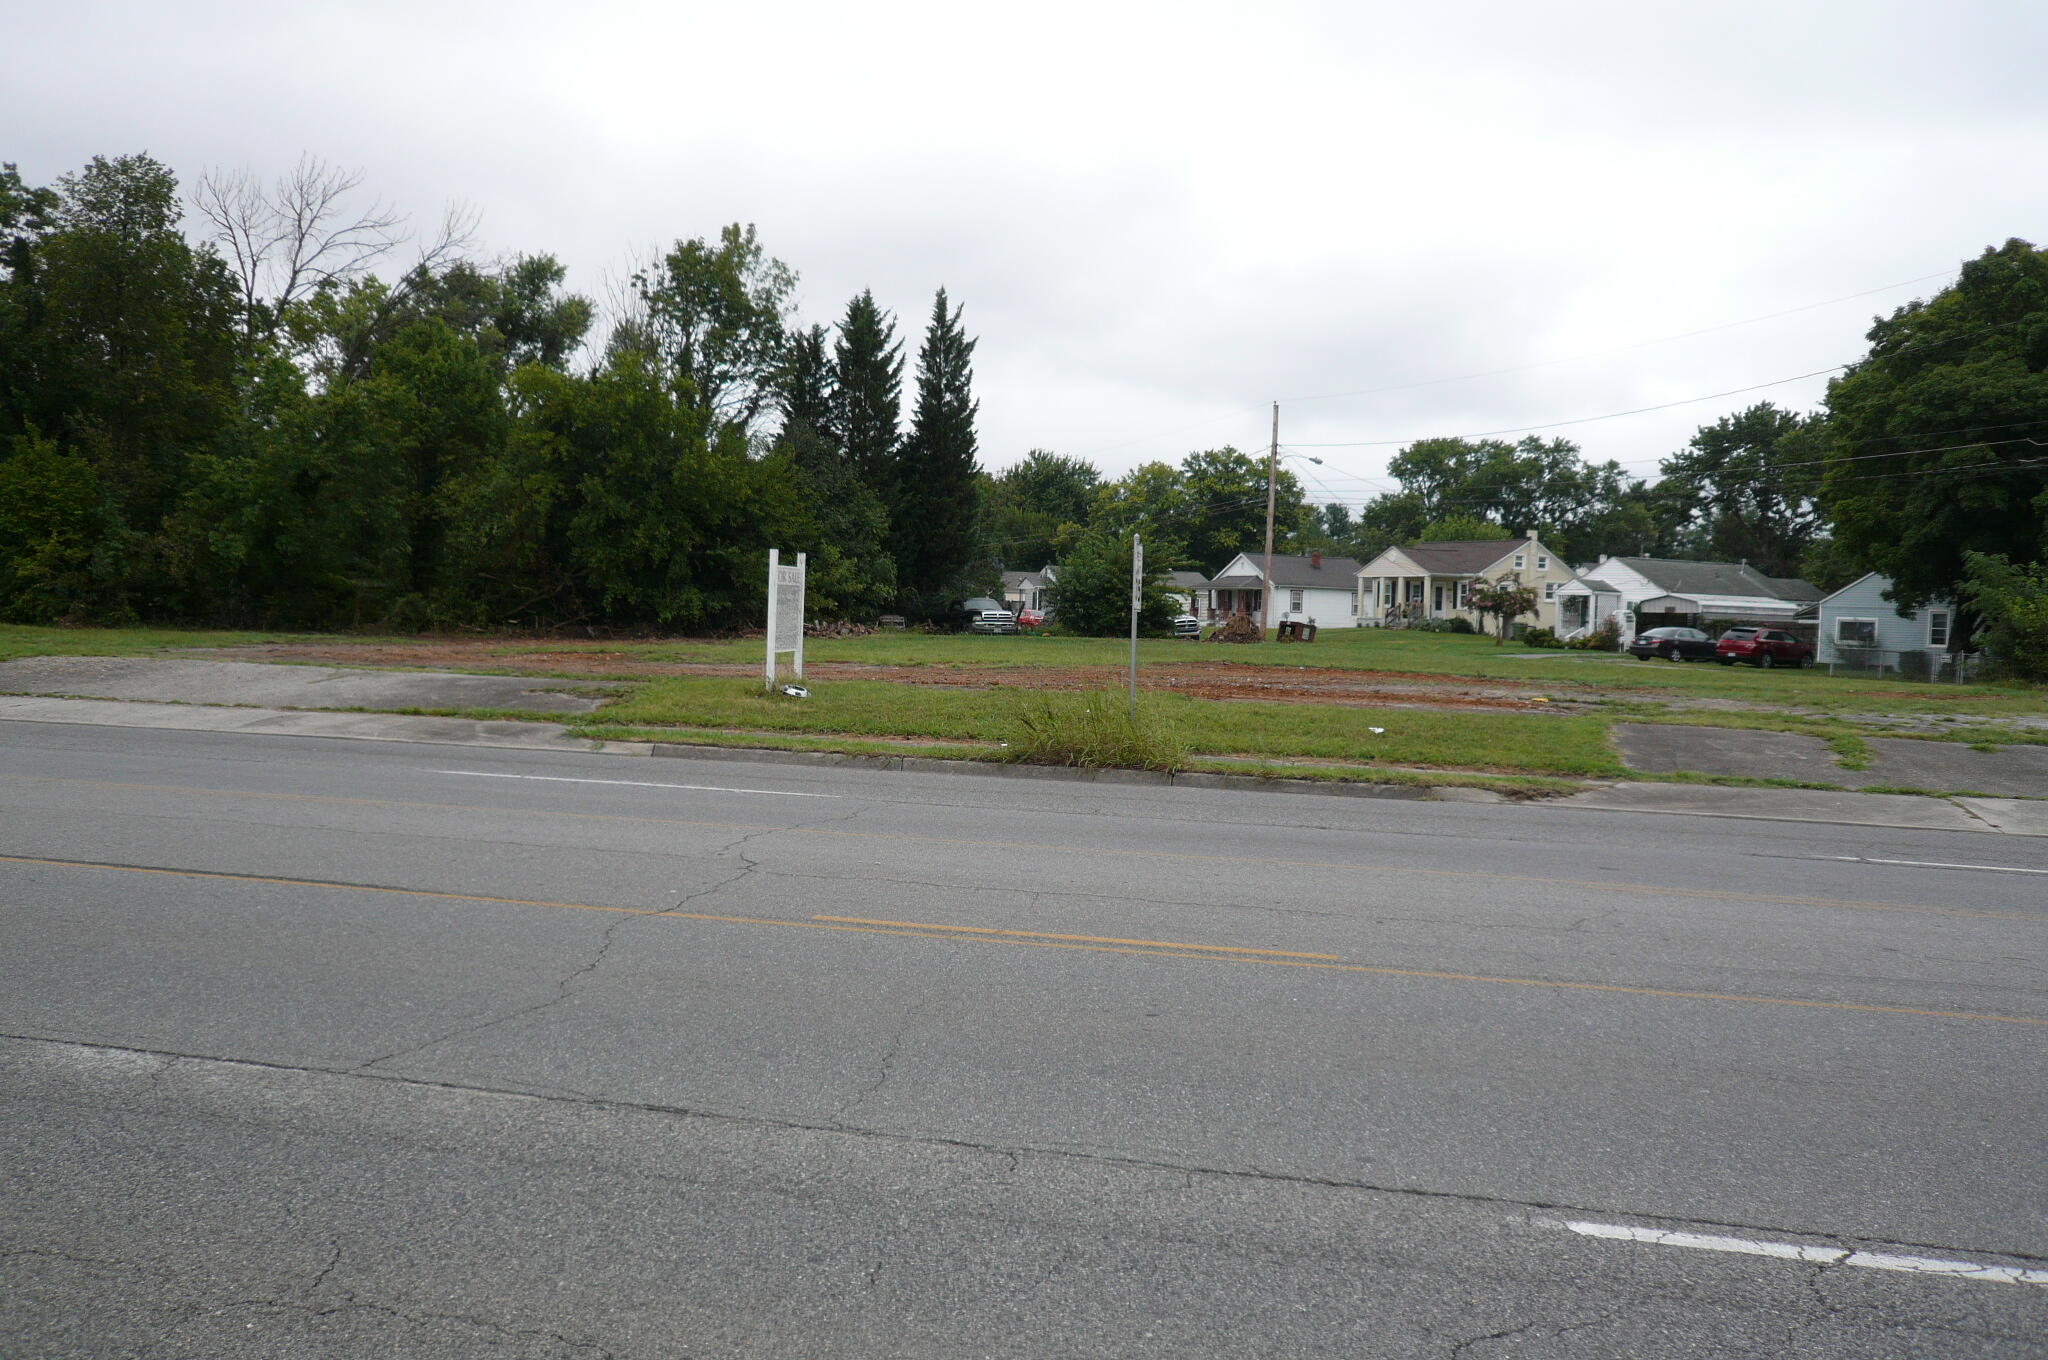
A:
(1507, 742)
(1564, 673)
(26, 640)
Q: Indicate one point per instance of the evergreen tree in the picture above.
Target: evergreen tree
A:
(933, 510)
(809, 389)
(867, 368)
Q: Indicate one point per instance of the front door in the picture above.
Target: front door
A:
(1437, 605)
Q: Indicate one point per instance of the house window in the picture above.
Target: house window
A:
(1856, 632)
(1294, 602)
(1549, 590)
(1542, 562)
(1519, 557)
(1464, 593)
(1937, 628)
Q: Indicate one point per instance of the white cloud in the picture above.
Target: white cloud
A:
(1161, 217)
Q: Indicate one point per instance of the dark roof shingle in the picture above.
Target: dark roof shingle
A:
(1717, 578)
(1460, 557)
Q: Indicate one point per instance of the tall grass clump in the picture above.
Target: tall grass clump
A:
(1092, 730)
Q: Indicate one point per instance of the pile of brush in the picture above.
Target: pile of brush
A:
(1238, 628)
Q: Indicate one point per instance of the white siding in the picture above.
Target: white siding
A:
(1329, 608)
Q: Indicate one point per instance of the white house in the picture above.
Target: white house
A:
(1640, 593)
(1858, 625)
(1028, 589)
(1190, 592)
(1434, 580)
(1314, 588)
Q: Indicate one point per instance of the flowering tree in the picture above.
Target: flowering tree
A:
(1505, 599)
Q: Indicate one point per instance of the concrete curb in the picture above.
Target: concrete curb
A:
(1147, 778)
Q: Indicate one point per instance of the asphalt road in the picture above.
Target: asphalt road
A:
(321, 1048)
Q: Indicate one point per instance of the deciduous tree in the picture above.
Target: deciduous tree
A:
(1938, 438)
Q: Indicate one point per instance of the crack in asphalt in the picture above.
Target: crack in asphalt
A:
(1018, 1151)
(1551, 1330)
(566, 985)
(328, 1269)
(885, 1065)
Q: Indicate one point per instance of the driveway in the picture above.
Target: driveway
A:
(2010, 771)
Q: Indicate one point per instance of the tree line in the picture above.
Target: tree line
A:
(258, 417)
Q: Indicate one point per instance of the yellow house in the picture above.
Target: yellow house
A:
(1434, 580)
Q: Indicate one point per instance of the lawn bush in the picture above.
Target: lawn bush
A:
(1605, 638)
(1540, 637)
(1092, 730)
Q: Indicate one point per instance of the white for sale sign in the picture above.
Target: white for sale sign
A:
(785, 612)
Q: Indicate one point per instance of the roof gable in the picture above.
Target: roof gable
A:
(1727, 579)
(1468, 557)
(1294, 572)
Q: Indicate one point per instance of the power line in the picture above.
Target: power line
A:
(1583, 420)
(1619, 349)
(1541, 363)
(1909, 348)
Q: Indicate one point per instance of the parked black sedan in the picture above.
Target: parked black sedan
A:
(1673, 644)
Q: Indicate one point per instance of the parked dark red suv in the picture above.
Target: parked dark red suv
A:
(1765, 647)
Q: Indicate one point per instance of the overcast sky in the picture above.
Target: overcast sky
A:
(1161, 218)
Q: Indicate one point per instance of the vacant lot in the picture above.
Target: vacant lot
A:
(1359, 666)
(1441, 702)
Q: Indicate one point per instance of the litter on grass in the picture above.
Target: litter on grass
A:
(796, 691)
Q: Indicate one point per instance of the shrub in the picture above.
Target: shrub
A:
(1540, 637)
(1092, 730)
(1605, 638)
(2012, 599)
(1093, 593)
(1461, 624)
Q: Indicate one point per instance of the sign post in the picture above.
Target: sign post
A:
(785, 613)
(1137, 601)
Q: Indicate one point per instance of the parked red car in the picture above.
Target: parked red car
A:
(1030, 618)
(1763, 647)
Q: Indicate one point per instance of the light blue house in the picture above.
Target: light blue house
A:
(1859, 626)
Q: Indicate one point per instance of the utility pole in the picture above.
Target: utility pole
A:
(1272, 473)
(1137, 600)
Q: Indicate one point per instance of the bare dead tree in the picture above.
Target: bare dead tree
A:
(299, 234)
(455, 238)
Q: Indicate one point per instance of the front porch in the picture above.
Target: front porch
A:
(1400, 601)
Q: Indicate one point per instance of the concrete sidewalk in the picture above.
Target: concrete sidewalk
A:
(191, 681)
(282, 723)
(2014, 817)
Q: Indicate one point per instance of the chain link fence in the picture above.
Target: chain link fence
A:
(1912, 664)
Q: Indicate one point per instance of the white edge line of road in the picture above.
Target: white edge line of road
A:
(1937, 864)
(1821, 1256)
(635, 783)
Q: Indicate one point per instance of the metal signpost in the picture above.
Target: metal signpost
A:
(785, 612)
(1137, 599)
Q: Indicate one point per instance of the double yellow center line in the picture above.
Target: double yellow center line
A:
(1039, 939)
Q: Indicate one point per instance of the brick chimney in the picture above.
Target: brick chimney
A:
(1315, 560)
